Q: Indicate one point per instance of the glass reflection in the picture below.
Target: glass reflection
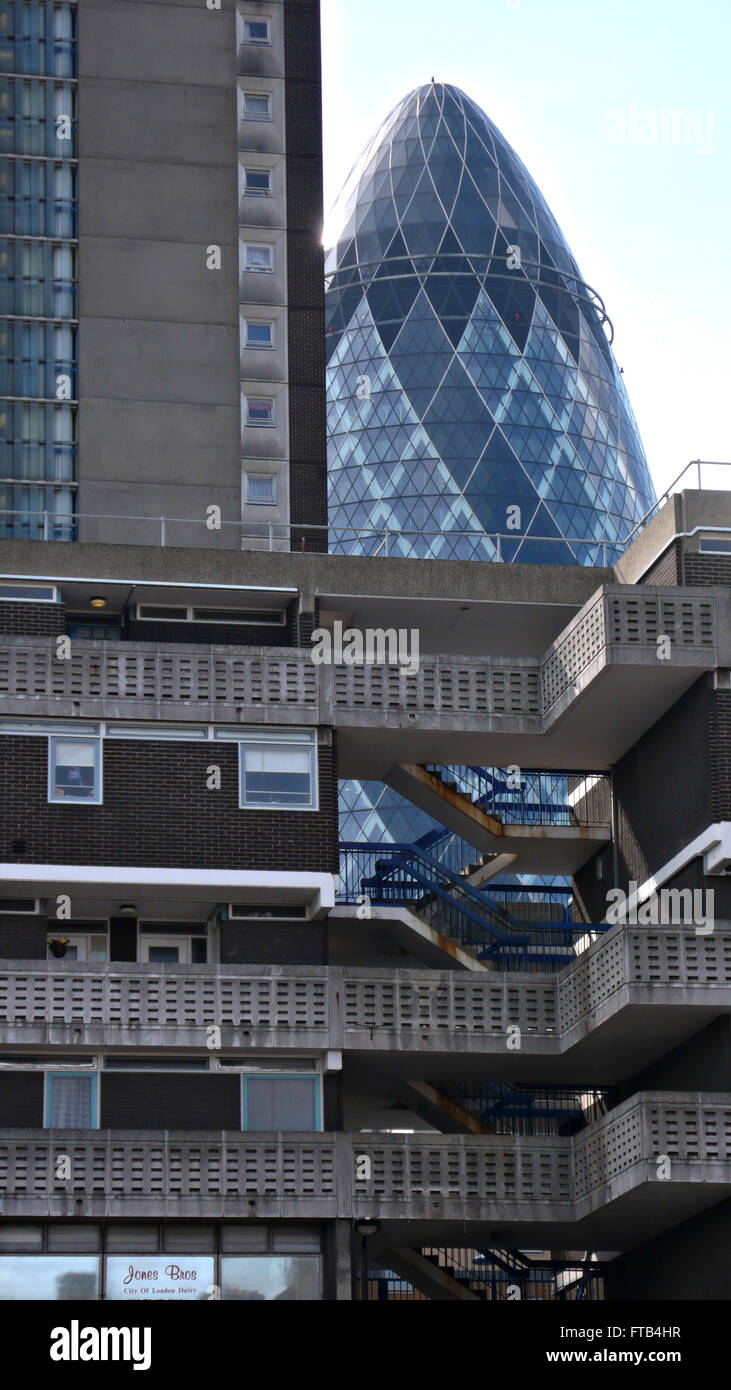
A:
(54, 1278)
(265, 1278)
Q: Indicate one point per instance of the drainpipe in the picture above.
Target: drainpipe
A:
(613, 827)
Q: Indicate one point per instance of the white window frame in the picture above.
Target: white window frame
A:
(261, 501)
(259, 323)
(261, 424)
(258, 269)
(285, 1074)
(81, 941)
(297, 743)
(74, 737)
(20, 911)
(267, 192)
(46, 593)
(256, 115)
(257, 19)
(714, 545)
(50, 1071)
(190, 610)
(147, 939)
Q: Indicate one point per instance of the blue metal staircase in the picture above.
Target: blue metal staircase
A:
(407, 876)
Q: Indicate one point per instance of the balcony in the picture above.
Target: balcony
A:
(627, 1000)
(601, 1188)
(602, 684)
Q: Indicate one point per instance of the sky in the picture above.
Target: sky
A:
(621, 111)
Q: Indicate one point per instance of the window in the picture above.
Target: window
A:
(257, 106)
(173, 950)
(52, 1278)
(27, 593)
(74, 770)
(710, 546)
(156, 1064)
(258, 32)
(280, 1102)
(259, 258)
(70, 1101)
(79, 945)
(279, 773)
(261, 488)
(248, 617)
(19, 905)
(257, 1278)
(259, 411)
(258, 183)
(259, 335)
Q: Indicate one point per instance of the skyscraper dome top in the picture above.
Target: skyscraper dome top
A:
(491, 379)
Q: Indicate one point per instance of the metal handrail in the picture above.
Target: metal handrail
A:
(381, 275)
(278, 531)
(694, 463)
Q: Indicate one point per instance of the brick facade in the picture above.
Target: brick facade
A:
(157, 811)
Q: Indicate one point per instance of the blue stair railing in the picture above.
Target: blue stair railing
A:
(404, 875)
(531, 796)
(519, 1110)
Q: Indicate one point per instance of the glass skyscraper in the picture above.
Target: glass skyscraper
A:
(472, 385)
(472, 389)
(38, 275)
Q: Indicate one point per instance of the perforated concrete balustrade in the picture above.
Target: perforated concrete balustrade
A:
(417, 1177)
(280, 685)
(359, 1009)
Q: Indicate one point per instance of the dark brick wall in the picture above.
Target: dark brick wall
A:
(668, 788)
(705, 570)
(679, 1264)
(701, 1063)
(215, 634)
(720, 754)
(153, 1100)
(22, 937)
(123, 938)
(306, 624)
(273, 943)
(21, 1099)
(305, 273)
(32, 619)
(157, 811)
(666, 570)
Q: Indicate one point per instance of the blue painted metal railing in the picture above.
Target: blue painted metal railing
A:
(528, 1110)
(404, 875)
(526, 796)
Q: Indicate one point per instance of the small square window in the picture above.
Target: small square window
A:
(258, 183)
(279, 775)
(259, 335)
(280, 1103)
(70, 1101)
(257, 106)
(261, 488)
(259, 410)
(257, 31)
(259, 258)
(74, 770)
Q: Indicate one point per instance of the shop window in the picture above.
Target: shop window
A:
(50, 1278)
(296, 1278)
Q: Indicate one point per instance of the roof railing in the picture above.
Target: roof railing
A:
(50, 525)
